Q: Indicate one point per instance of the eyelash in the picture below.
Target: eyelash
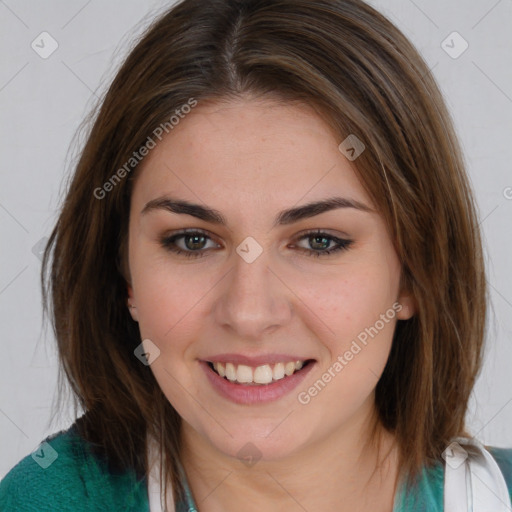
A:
(168, 242)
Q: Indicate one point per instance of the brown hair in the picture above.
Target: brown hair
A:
(359, 70)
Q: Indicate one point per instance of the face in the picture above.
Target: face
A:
(256, 291)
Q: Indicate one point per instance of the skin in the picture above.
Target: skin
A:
(249, 159)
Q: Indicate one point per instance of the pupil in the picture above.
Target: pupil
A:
(195, 244)
(315, 241)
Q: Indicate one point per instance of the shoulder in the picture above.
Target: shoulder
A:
(427, 493)
(503, 457)
(63, 474)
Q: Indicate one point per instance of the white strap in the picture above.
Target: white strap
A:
(154, 495)
(473, 481)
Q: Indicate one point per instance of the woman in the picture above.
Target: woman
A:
(266, 280)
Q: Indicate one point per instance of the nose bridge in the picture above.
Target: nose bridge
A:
(253, 300)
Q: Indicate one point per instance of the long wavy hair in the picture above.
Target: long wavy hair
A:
(357, 69)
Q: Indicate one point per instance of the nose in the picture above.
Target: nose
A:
(253, 300)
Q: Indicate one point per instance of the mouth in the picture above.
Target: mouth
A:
(262, 375)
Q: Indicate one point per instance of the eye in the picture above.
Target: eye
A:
(193, 243)
(321, 243)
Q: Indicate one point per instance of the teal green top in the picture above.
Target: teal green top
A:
(64, 475)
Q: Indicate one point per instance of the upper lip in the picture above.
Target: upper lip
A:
(255, 360)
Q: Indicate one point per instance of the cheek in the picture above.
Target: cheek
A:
(169, 306)
(358, 312)
(163, 290)
(358, 309)
(349, 303)
(166, 304)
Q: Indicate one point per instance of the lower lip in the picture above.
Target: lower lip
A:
(255, 394)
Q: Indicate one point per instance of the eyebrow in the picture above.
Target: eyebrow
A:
(284, 217)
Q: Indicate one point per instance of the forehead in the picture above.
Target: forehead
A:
(249, 152)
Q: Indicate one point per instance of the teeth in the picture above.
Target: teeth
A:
(289, 368)
(230, 372)
(221, 370)
(278, 372)
(264, 374)
(244, 373)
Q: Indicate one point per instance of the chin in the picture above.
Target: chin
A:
(258, 445)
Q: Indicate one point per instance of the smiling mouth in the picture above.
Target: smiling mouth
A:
(260, 375)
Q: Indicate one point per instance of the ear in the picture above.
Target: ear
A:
(132, 306)
(408, 306)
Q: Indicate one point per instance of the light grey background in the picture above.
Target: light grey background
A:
(43, 101)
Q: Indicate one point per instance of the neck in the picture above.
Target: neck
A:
(346, 470)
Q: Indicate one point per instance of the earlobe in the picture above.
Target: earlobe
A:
(131, 304)
(408, 307)
(133, 312)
